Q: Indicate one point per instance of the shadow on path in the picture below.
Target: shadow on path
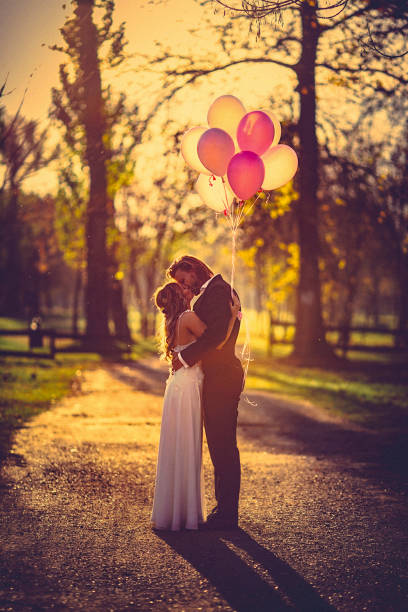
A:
(142, 376)
(284, 427)
(217, 557)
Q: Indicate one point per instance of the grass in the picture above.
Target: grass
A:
(371, 390)
(62, 323)
(374, 393)
(30, 386)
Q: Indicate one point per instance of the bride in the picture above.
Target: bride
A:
(179, 489)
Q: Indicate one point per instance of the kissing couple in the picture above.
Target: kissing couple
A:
(201, 325)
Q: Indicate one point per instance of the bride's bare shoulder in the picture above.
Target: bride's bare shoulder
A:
(192, 322)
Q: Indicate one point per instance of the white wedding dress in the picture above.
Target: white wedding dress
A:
(179, 490)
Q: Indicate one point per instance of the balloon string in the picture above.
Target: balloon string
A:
(246, 349)
(227, 206)
(233, 249)
(246, 358)
(235, 220)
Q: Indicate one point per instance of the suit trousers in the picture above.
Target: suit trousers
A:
(220, 411)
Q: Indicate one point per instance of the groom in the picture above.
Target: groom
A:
(223, 378)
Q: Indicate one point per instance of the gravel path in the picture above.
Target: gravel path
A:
(324, 511)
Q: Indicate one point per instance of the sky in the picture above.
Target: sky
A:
(28, 27)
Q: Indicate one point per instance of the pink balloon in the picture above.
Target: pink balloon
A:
(215, 149)
(255, 132)
(245, 174)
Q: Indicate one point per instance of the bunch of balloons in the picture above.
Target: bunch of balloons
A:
(237, 155)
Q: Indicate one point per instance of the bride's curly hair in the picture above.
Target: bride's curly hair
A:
(170, 300)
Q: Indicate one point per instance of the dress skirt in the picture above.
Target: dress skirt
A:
(179, 488)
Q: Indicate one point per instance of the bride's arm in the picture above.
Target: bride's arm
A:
(197, 327)
(235, 307)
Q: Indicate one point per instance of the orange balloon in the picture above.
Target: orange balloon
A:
(215, 149)
(225, 113)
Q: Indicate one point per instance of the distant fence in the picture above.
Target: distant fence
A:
(36, 336)
(343, 341)
(35, 340)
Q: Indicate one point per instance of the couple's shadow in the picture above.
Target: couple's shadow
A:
(225, 559)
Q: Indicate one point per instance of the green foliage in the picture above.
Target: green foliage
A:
(70, 226)
(29, 386)
(268, 247)
(375, 396)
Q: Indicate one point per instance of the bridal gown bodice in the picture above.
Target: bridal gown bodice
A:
(179, 489)
(186, 376)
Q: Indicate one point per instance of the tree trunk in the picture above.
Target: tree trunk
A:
(31, 279)
(348, 307)
(310, 343)
(119, 313)
(12, 301)
(97, 329)
(271, 334)
(374, 305)
(75, 306)
(401, 338)
(144, 323)
(138, 293)
(259, 281)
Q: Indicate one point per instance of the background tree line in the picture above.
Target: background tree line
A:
(329, 247)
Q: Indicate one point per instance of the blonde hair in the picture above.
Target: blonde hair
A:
(170, 300)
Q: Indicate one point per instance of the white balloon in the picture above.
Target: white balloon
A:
(225, 113)
(280, 163)
(189, 143)
(276, 124)
(212, 192)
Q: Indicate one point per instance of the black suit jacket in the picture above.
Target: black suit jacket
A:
(222, 369)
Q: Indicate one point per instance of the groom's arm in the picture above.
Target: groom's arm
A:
(218, 315)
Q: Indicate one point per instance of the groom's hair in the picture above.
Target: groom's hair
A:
(191, 264)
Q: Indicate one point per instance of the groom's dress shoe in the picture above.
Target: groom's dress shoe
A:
(215, 521)
(214, 512)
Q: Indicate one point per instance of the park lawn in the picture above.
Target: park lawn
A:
(29, 386)
(374, 394)
(372, 390)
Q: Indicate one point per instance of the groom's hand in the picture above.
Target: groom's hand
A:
(175, 363)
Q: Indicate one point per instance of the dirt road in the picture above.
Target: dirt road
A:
(324, 513)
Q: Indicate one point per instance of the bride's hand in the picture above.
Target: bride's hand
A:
(235, 306)
(175, 362)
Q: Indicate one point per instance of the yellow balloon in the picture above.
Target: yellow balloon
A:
(225, 113)
(189, 149)
(212, 192)
(280, 163)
